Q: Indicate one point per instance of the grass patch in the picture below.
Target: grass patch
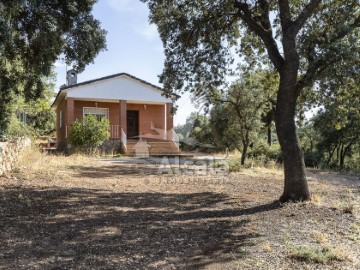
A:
(348, 209)
(323, 254)
(35, 164)
(321, 238)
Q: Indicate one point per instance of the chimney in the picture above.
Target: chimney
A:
(71, 77)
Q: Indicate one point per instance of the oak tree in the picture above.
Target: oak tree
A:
(237, 115)
(33, 34)
(301, 39)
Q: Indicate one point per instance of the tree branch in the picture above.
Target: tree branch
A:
(316, 67)
(305, 14)
(265, 34)
(285, 14)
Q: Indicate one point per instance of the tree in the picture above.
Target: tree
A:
(89, 133)
(37, 114)
(237, 115)
(338, 122)
(184, 130)
(33, 34)
(302, 40)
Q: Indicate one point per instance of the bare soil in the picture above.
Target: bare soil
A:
(81, 213)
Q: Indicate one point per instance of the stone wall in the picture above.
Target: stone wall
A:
(10, 153)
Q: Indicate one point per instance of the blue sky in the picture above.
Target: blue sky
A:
(133, 46)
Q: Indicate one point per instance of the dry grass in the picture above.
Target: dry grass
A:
(321, 238)
(324, 254)
(35, 164)
(78, 212)
(266, 247)
(317, 199)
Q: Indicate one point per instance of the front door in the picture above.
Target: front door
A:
(132, 124)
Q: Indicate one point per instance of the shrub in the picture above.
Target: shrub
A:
(89, 133)
(18, 129)
(265, 154)
(324, 254)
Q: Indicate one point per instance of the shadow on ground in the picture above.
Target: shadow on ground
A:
(86, 229)
(112, 171)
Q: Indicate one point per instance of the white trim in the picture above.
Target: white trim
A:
(106, 110)
(118, 88)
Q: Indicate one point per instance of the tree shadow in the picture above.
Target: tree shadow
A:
(86, 228)
(139, 167)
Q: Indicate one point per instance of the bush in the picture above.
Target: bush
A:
(88, 133)
(265, 154)
(235, 165)
(18, 129)
(324, 254)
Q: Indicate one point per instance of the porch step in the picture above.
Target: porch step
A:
(151, 147)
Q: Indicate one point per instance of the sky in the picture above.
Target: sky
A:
(133, 46)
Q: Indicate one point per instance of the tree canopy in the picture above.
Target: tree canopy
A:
(237, 114)
(304, 41)
(33, 35)
(199, 38)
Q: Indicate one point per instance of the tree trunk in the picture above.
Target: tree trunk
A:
(269, 137)
(343, 155)
(295, 187)
(244, 153)
(331, 153)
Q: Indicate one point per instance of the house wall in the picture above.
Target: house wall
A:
(170, 121)
(60, 131)
(113, 110)
(151, 113)
(73, 110)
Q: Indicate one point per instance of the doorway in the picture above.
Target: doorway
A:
(132, 124)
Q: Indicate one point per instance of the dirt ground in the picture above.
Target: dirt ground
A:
(82, 213)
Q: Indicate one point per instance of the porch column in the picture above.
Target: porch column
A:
(165, 122)
(169, 121)
(69, 116)
(122, 116)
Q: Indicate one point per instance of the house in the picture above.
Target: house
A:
(135, 108)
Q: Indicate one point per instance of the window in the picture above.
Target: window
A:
(60, 119)
(98, 113)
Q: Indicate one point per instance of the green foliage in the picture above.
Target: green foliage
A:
(184, 131)
(266, 154)
(42, 117)
(18, 129)
(303, 41)
(236, 118)
(200, 38)
(338, 123)
(196, 133)
(33, 34)
(309, 139)
(235, 165)
(39, 115)
(88, 133)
